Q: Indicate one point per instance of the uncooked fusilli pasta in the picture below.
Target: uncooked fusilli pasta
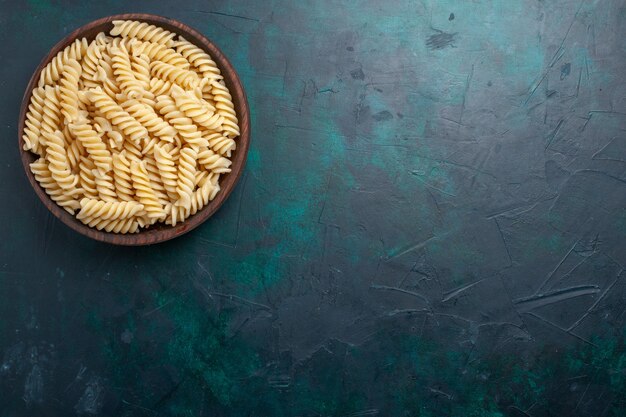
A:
(132, 128)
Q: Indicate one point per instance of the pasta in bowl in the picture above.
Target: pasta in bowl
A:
(134, 129)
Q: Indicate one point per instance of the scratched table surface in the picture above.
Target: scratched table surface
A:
(431, 223)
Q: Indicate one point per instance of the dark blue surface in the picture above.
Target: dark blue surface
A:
(431, 223)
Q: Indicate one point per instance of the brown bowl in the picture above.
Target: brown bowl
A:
(158, 232)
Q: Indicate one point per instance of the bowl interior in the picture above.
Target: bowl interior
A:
(158, 232)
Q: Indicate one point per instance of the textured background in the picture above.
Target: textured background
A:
(431, 223)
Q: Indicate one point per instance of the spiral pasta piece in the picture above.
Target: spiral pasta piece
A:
(159, 87)
(142, 31)
(52, 71)
(214, 162)
(155, 178)
(150, 120)
(51, 112)
(121, 177)
(124, 73)
(186, 176)
(221, 144)
(198, 59)
(74, 149)
(225, 108)
(102, 39)
(63, 198)
(32, 123)
(116, 226)
(118, 116)
(106, 62)
(119, 43)
(199, 112)
(57, 161)
(108, 210)
(91, 141)
(141, 67)
(200, 198)
(133, 150)
(144, 191)
(106, 83)
(104, 185)
(160, 52)
(177, 75)
(167, 169)
(122, 225)
(183, 124)
(69, 90)
(90, 61)
(206, 91)
(86, 179)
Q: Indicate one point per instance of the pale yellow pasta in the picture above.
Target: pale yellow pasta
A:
(90, 61)
(200, 177)
(52, 71)
(121, 177)
(92, 142)
(102, 39)
(116, 226)
(116, 140)
(120, 43)
(51, 112)
(86, 179)
(107, 83)
(142, 31)
(174, 74)
(131, 129)
(225, 108)
(186, 176)
(206, 91)
(101, 124)
(69, 90)
(65, 199)
(104, 185)
(159, 87)
(183, 124)
(155, 178)
(200, 112)
(56, 157)
(145, 193)
(199, 199)
(214, 162)
(133, 150)
(220, 143)
(118, 116)
(32, 123)
(124, 74)
(108, 210)
(74, 149)
(141, 69)
(150, 120)
(198, 59)
(147, 145)
(159, 52)
(85, 106)
(124, 224)
(167, 169)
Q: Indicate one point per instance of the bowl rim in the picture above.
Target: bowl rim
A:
(160, 233)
